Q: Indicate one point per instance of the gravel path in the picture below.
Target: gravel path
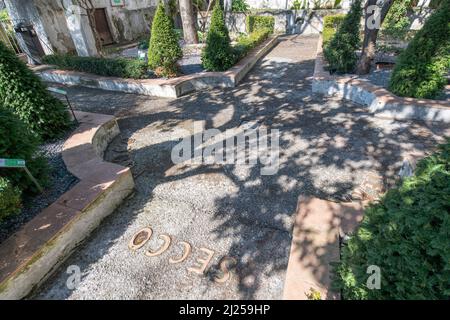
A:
(327, 147)
(60, 180)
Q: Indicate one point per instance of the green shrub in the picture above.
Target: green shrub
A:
(330, 25)
(260, 22)
(397, 22)
(407, 235)
(239, 6)
(246, 43)
(218, 55)
(23, 92)
(116, 67)
(10, 203)
(421, 69)
(164, 50)
(340, 50)
(17, 142)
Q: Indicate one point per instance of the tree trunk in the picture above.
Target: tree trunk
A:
(188, 20)
(370, 36)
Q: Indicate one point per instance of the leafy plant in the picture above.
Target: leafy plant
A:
(239, 6)
(109, 67)
(17, 142)
(10, 202)
(23, 92)
(218, 55)
(247, 42)
(340, 50)
(407, 235)
(164, 50)
(421, 69)
(330, 25)
(397, 23)
(260, 22)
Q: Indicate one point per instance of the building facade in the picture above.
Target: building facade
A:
(62, 26)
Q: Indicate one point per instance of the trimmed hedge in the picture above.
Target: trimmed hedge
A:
(407, 235)
(23, 92)
(254, 23)
(330, 25)
(10, 202)
(17, 142)
(421, 69)
(218, 55)
(164, 50)
(109, 67)
(246, 43)
(340, 50)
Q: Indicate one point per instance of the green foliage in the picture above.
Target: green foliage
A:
(260, 22)
(397, 24)
(17, 142)
(298, 5)
(330, 25)
(10, 202)
(246, 43)
(164, 50)
(421, 68)
(218, 54)
(407, 235)
(22, 92)
(109, 67)
(340, 50)
(239, 6)
(4, 14)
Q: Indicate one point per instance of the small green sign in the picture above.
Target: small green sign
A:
(12, 163)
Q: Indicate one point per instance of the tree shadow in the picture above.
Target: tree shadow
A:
(327, 147)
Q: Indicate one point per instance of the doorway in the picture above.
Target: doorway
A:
(101, 23)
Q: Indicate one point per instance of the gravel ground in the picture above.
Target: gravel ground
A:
(327, 148)
(60, 180)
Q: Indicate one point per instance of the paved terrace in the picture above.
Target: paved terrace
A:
(327, 148)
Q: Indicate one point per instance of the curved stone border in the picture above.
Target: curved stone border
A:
(380, 101)
(169, 88)
(29, 256)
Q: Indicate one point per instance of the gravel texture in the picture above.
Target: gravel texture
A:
(60, 181)
(327, 148)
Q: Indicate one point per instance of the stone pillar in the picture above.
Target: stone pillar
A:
(80, 30)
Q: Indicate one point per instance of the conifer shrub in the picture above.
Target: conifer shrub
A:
(10, 202)
(340, 51)
(164, 50)
(407, 235)
(421, 69)
(218, 54)
(23, 92)
(17, 142)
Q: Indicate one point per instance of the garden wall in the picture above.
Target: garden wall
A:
(306, 22)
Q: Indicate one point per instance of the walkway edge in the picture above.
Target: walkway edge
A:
(168, 88)
(380, 101)
(30, 255)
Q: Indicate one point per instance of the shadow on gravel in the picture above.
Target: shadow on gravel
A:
(326, 147)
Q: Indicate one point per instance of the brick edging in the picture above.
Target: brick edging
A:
(380, 101)
(30, 255)
(169, 88)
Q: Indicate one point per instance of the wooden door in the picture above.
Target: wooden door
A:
(101, 23)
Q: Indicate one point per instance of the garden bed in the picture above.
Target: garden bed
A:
(60, 180)
(172, 88)
(379, 100)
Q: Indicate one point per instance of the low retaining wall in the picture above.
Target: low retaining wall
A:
(170, 88)
(29, 256)
(380, 101)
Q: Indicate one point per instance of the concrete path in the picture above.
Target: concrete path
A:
(327, 148)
